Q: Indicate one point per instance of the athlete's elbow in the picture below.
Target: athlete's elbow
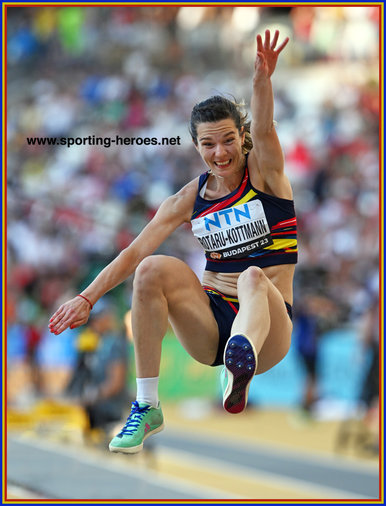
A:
(261, 129)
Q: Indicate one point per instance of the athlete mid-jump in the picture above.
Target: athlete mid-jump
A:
(242, 213)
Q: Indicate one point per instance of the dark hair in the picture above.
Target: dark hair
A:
(217, 108)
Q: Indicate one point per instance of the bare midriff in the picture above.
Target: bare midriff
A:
(226, 282)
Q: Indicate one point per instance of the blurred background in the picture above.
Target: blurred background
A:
(138, 71)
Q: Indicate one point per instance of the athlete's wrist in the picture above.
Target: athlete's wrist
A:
(84, 297)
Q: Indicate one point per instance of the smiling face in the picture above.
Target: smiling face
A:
(220, 146)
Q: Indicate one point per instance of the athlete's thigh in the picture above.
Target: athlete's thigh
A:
(278, 341)
(190, 313)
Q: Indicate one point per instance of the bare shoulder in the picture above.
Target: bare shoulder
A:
(271, 180)
(182, 202)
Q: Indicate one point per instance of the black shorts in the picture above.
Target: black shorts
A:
(225, 309)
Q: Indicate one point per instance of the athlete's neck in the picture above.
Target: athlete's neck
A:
(230, 183)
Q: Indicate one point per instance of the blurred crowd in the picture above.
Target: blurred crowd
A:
(138, 71)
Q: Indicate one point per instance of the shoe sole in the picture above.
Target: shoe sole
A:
(138, 448)
(240, 361)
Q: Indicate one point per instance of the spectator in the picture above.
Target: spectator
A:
(99, 380)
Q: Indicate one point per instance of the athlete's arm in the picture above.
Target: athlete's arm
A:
(174, 211)
(266, 157)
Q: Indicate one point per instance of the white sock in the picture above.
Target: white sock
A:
(147, 391)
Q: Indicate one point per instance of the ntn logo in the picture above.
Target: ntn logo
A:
(230, 216)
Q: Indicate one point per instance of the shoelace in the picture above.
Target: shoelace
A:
(135, 418)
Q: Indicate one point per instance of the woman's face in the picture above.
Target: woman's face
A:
(220, 146)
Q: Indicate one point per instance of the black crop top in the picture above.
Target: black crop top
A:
(247, 227)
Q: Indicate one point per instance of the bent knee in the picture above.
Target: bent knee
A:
(149, 271)
(253, 277)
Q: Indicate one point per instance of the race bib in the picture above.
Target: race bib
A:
(234, 232)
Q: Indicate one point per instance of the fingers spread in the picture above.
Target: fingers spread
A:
(268, 45)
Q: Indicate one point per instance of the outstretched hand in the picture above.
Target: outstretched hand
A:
(72, 313)
(267, 55)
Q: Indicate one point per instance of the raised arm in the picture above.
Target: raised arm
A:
(174, 211)
(266, 159)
